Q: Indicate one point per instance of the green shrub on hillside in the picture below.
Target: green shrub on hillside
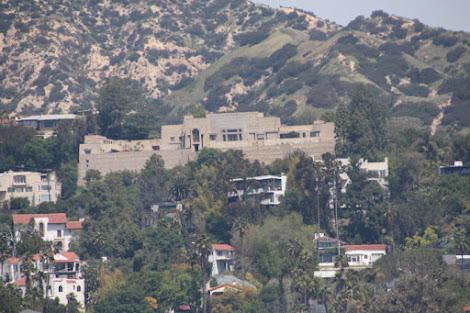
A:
(446, 41)
(414, 90)
(254, 37)
(455, 54)
(425, 111)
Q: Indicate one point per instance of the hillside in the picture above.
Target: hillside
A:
(228, 55)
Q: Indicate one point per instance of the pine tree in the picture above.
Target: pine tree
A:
(366, 127)
(341, 131)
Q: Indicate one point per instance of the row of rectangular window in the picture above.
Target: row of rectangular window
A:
(238, 136)
(28, 188)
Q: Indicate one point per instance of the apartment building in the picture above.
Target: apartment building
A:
(37, 187)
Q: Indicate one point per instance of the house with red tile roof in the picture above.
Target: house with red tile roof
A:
(63, 277)
(222, 258)
(53, 227)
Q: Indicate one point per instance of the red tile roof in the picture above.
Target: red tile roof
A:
(13, 260)
(74, 225)
(467, 308)
(365, 247)
(224, 285)
(184, 307)
(222, 247)
(70, 257)
(37, 257)
(20, 282)
(54, 218)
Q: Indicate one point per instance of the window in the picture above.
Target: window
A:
(45, 198)
(260, 137)
(49, 124)
(44, 178)
(232, 137)
(45, 187)
(11, 189)
(61, 289)
(382, 173)
(212, 137)
(59, 233)
(79, 288)
(87, 151)
(315, 134)
(172, 139)
(155, 148)
(41, 229)
(29, 189)
(304, 135)
(19, 179)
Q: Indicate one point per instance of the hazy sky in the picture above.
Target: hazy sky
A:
(449, 14)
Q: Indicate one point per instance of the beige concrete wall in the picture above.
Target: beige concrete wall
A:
(132, 161)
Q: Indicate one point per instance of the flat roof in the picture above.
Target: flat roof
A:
(48, 117)
(262, 177)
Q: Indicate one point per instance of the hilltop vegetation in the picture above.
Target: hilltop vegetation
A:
(228, 55)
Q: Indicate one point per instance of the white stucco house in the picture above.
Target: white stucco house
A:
(364, 254)
(222, 258)
(53, 227)
(378, 171)
(269, 187)
(62, 279)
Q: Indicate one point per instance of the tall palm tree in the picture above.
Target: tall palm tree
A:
(240, 225)
(47, 257)
(204, 248)
(192, 258)
(27, 267)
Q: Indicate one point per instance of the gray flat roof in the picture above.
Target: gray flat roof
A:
(48, 117)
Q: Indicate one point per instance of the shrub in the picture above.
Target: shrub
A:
(290, 86)
(216, 98)
(316, 34)
(414, 90)
(253, 38)
(423, 110)
(356, 23)
(56, 95)
(418, 26)
(348, 40)
(281, 56)
(196, 30)
(134, 57)
(378, 13)
(399, 32)
(458, 112)
(428, 76)
(446, 41)
(455, 54)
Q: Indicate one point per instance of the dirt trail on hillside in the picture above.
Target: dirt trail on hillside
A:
(437, 121)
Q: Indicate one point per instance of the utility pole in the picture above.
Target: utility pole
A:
(318, 202)
(335, 199)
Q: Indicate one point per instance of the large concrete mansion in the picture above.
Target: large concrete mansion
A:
(260, 138)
